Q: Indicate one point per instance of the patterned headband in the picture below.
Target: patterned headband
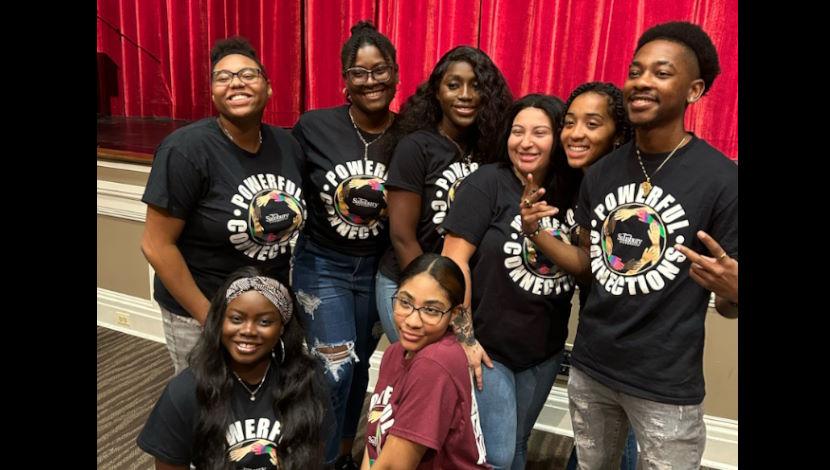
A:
(270, 288)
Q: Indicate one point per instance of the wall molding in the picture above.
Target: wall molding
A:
(121, 200)
(145, 315)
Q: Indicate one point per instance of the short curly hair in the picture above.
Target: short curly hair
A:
(365, 33)
(423, 111)
(693, 37)
(616, 106)
(234, 45)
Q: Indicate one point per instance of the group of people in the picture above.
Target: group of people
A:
(459, 228)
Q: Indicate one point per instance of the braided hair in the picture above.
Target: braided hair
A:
(616, 107)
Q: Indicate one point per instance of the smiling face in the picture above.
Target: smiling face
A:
(662, 79)
(421, 290)
(371, 96)
(588, 129)
(459, 98)
(251, 328)
(531, 142)
(237, 99)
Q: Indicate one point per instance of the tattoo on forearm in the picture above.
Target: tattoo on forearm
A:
(462, 326)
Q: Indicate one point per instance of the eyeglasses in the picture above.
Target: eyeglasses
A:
(248, 76)
(359, 75)
(428, 315)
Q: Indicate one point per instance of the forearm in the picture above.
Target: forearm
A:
(171, 268)
(570, 258)
(406, 248)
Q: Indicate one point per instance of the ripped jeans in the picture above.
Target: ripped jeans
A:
(336, 293)
(671, 437)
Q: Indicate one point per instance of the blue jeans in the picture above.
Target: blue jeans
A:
(508, 407)
(629, 457)
(385, 288)
(336, 293)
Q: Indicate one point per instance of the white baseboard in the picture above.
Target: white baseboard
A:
(145, 322)
(144, 315)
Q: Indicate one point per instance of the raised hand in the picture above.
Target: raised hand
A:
(719, 273)
(532, 209)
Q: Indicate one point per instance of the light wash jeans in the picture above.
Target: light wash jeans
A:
(508, 407)
(385, 288)
(180, 335)
(670, 436)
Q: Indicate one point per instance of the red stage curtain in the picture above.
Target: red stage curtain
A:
(160, 48)
(161, 51)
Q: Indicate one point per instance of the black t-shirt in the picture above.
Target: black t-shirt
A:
(346, 193)
(520, 299)
(252, 436)
(427, 164)
(641, 331)
(240, 209)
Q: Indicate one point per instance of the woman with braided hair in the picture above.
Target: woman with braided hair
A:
(347, 150)
(252, 397)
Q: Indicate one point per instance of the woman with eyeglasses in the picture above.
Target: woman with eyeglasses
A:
(223, 193)
(423, 411)
(451, 125)
(520, 301)
(347, 150)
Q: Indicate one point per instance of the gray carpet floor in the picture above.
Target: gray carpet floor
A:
(132, 373)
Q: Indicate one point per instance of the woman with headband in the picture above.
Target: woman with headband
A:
(252, 396)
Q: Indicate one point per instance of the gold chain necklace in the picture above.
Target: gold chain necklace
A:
(646, 185)
(467, 158)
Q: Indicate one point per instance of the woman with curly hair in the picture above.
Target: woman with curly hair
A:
(451, 125)
(517, 307)
(252, 396)
(347, 151)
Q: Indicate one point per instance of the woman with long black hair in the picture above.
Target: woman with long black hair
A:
(252, 396)
(450, 126)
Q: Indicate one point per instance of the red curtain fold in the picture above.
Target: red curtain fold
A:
(154, 55)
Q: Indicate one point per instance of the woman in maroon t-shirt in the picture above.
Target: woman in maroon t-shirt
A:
(423, 412)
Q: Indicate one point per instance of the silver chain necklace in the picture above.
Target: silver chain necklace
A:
(367, 144)
(646, 185)
(467, 158)
(254, 392)
(231, 137)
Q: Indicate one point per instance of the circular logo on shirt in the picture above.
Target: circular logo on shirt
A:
(258, 453)
(274, 217)
(633, 239)
(361, 200)
(536, 261)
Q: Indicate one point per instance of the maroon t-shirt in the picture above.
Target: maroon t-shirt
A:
(427, 399)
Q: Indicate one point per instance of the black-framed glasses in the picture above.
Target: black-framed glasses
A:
(359, 75)
(248, 75)
(429, 315)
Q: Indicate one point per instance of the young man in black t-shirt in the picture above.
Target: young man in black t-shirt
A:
(638, 352)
